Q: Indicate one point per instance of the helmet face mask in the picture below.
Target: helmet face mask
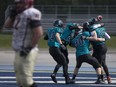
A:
(85, 26)
(21, 5)
(58, 23)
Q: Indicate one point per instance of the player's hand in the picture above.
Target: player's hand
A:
(25, 51)
(64, 43)
(46, 37)
(84, 37)
(102, 24)
(80, 27)
(12, 12)
(62, 47)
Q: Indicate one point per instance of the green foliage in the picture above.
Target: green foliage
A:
(4, 4)
(53, 2)
(75, 2)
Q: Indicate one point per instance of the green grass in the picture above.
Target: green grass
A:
(112, 42)
(5, 42)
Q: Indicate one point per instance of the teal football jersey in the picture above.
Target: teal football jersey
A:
(52, 41)
(66, 35)
(82, 45)
(100, 34)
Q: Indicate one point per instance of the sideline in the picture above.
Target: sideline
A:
(45, 50)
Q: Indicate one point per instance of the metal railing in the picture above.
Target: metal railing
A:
(79, 14)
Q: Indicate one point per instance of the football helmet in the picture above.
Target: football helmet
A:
(21, 5)
(85, 26)
(99, 17)
(58, 23)
(93, 21)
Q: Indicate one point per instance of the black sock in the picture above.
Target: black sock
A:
(102, 77)
(56, 68)
(34, 85)
(74, 76)
(99, 77)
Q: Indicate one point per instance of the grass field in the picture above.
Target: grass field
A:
(6, 39)
(5, 42)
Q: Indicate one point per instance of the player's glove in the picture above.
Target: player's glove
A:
(90, 49)
(62, 47)
(64, 43)
(46, 37)
(25, 51)
(12, 12)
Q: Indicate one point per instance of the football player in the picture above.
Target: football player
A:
(27, 30)
(55, 46)
(96, 29)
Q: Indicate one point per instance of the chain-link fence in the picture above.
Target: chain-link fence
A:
(79, 14)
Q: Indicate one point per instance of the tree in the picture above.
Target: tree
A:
(4, 4)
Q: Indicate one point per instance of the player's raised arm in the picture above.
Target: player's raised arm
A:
(11, 17)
